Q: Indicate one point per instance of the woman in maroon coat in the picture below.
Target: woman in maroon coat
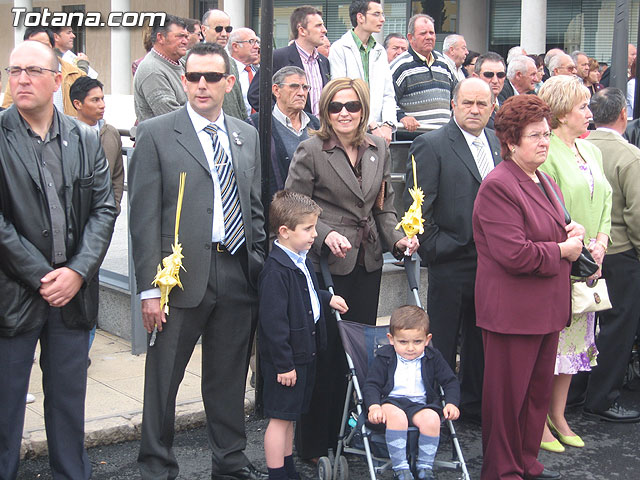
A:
(522, 292)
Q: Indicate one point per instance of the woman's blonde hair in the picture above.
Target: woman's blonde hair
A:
(562, 93)
(328, 92)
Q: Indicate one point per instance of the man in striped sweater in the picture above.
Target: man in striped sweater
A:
(423, 83)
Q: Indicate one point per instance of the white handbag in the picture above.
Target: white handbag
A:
(589, 298)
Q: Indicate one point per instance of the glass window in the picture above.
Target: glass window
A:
(585, 25)
(201, 6)
(79, 43)
(444, 12)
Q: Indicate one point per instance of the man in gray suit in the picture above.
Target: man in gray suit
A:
(221, 232)
(451, 163)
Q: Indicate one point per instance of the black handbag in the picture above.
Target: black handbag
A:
(585, 265)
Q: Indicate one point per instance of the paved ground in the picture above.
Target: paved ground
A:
(611, 452)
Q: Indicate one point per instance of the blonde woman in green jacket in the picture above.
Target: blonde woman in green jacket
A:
(576, 166)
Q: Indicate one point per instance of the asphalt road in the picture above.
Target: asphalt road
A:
(612, 451)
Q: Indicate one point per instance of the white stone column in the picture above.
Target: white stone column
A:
(120, 52)
(18, 32)
(235, 9)
(533, 26)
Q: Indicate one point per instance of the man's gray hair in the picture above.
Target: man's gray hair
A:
(550, 54)
(450, 41)
(555, 62)
(514, 52)
(574, 56)
(284, 72)
(411, 26)
(487, 57)
(519, 64)
(606, 106)
(237, 35)
(399, 36)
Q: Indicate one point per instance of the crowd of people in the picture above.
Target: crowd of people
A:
(516, 188)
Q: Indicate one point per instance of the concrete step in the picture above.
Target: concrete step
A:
(115, 302)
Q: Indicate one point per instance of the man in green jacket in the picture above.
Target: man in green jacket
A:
(621, 266)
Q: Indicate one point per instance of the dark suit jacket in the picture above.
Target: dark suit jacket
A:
(322, 171)
(522, 284)
(380, 378)
(506, 92)
(288, 334)
(166, 146)
(283, 57)
(449, 178)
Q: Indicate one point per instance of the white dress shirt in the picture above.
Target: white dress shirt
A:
(407, 379)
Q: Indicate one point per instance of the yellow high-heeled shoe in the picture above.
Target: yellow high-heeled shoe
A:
(555, 446)
(571, 440)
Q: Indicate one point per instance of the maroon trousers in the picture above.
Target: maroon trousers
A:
(518, 376)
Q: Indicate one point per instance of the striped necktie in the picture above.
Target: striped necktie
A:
(484, 166)
(233, 226)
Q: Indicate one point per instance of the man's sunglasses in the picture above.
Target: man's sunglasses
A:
(491, 74)
(352, 107)
(209, 77)
(219, 29)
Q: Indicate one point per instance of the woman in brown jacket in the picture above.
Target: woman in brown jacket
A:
(347, 172)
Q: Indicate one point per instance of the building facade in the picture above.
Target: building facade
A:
(486, 24)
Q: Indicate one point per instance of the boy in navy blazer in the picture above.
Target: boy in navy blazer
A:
(291, 325)
(400, 391)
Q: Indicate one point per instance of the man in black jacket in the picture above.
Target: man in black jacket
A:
(56, 219)
(308, 32)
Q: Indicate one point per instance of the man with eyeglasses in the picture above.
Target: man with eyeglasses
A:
(222, 235)
(522, 75)
(58, 212)
(451, 164)
(290, 124)
(562, 64)
(357, 55)
(490, 68)
(308, 33)
(423, 83)
(244, 49)
(156, 85)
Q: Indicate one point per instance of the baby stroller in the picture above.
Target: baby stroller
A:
(356, 436)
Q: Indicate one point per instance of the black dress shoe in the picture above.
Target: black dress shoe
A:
(546, 474)
(247, 473)
(616, 414)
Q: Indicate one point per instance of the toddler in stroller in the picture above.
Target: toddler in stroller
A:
(400, 391)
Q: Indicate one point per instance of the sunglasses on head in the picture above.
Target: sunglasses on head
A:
(352, 107)
(219, 29)
(491, 74)
(209, 77)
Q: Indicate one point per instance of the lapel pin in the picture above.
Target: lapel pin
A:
(373, 159)
(236, 138)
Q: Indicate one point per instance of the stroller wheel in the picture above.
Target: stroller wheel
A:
(324, 468)
(343, 468)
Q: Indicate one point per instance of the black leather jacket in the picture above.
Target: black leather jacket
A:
(25, 240)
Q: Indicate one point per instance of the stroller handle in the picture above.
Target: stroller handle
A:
(410, 267)
(324, 270)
